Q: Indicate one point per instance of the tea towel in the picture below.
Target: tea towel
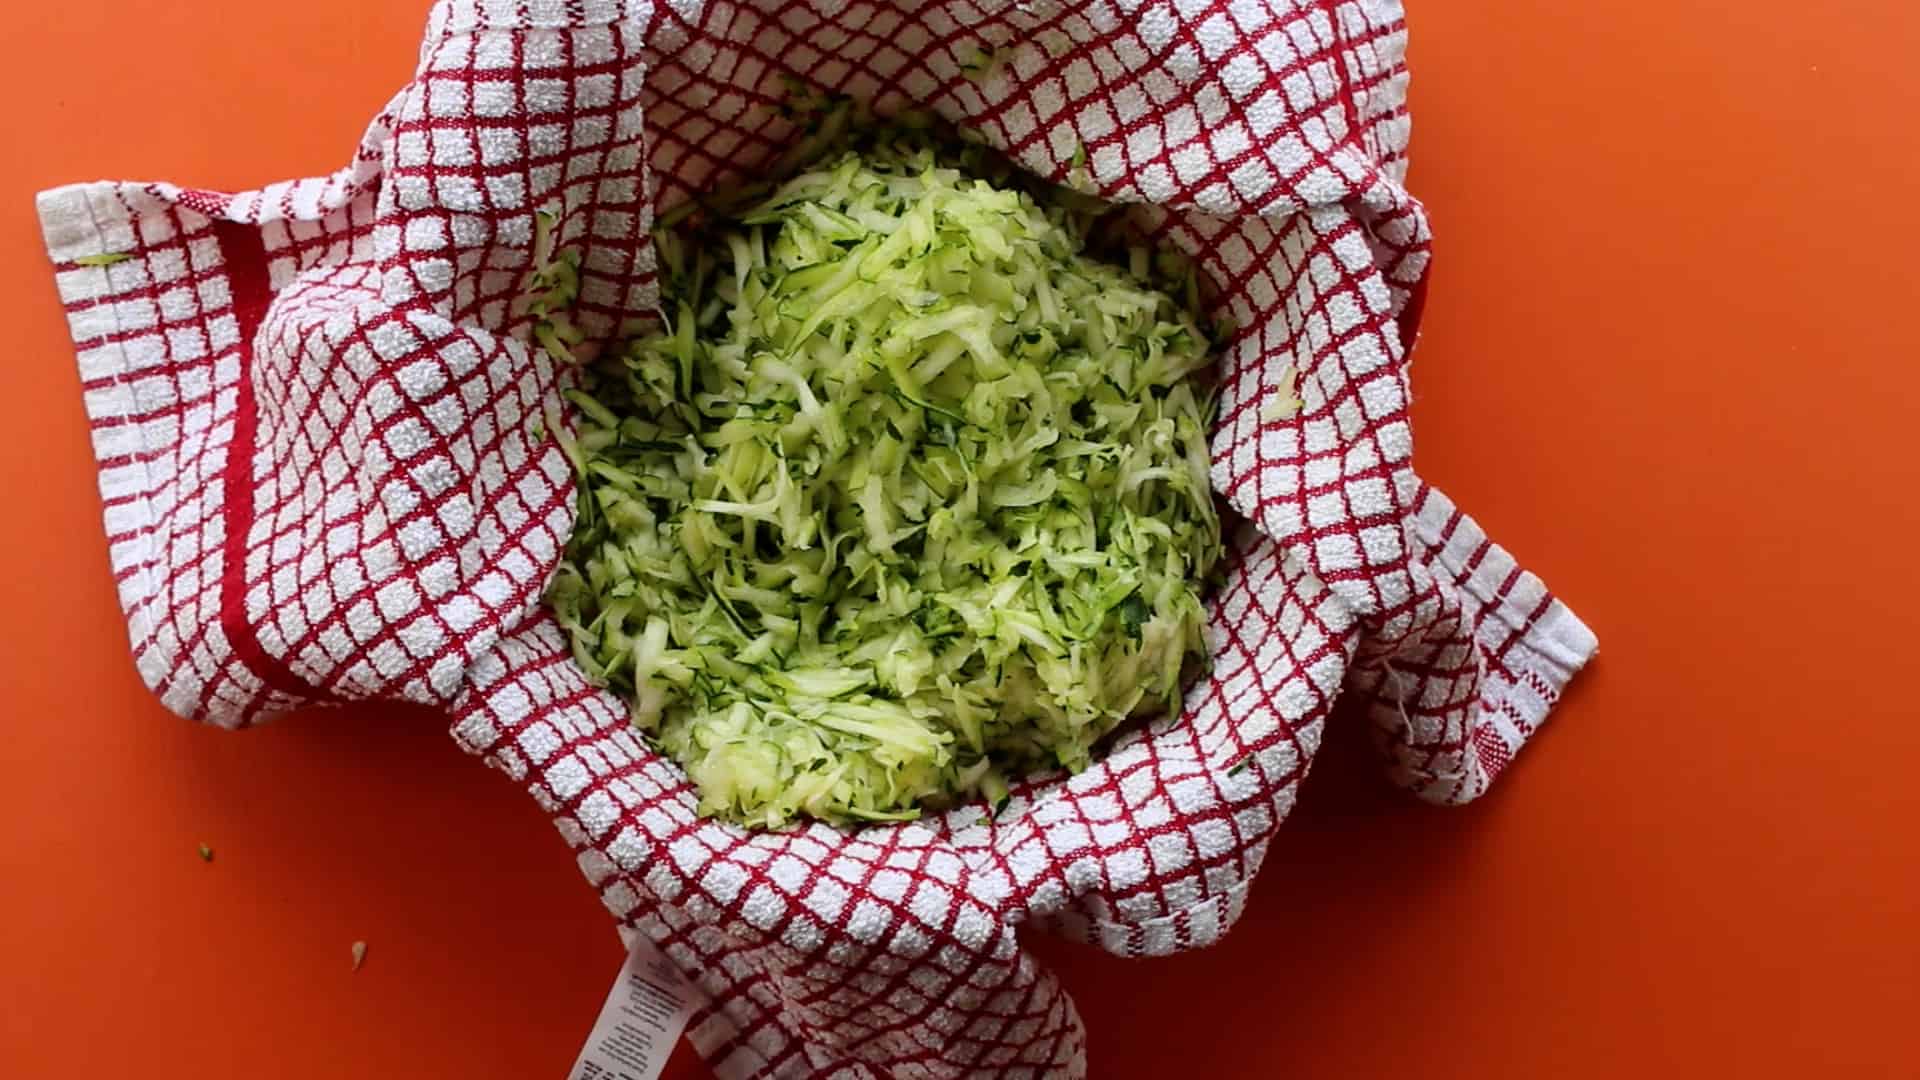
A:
(320, 436)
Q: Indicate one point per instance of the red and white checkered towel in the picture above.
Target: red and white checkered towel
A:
(314, 410)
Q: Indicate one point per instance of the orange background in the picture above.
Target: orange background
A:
(1670, 359)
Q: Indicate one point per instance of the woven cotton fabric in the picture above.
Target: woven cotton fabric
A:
(319, 428)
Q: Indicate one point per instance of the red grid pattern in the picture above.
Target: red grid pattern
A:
(314, 411)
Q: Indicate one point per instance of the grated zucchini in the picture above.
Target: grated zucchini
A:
(907, 496)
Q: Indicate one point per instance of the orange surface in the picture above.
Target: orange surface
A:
(1670, 359)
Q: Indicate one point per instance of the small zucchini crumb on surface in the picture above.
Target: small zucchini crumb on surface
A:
(908, 495)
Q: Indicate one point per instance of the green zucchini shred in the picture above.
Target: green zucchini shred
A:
(908, 495)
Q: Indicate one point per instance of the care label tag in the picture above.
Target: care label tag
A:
(642, 1019)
